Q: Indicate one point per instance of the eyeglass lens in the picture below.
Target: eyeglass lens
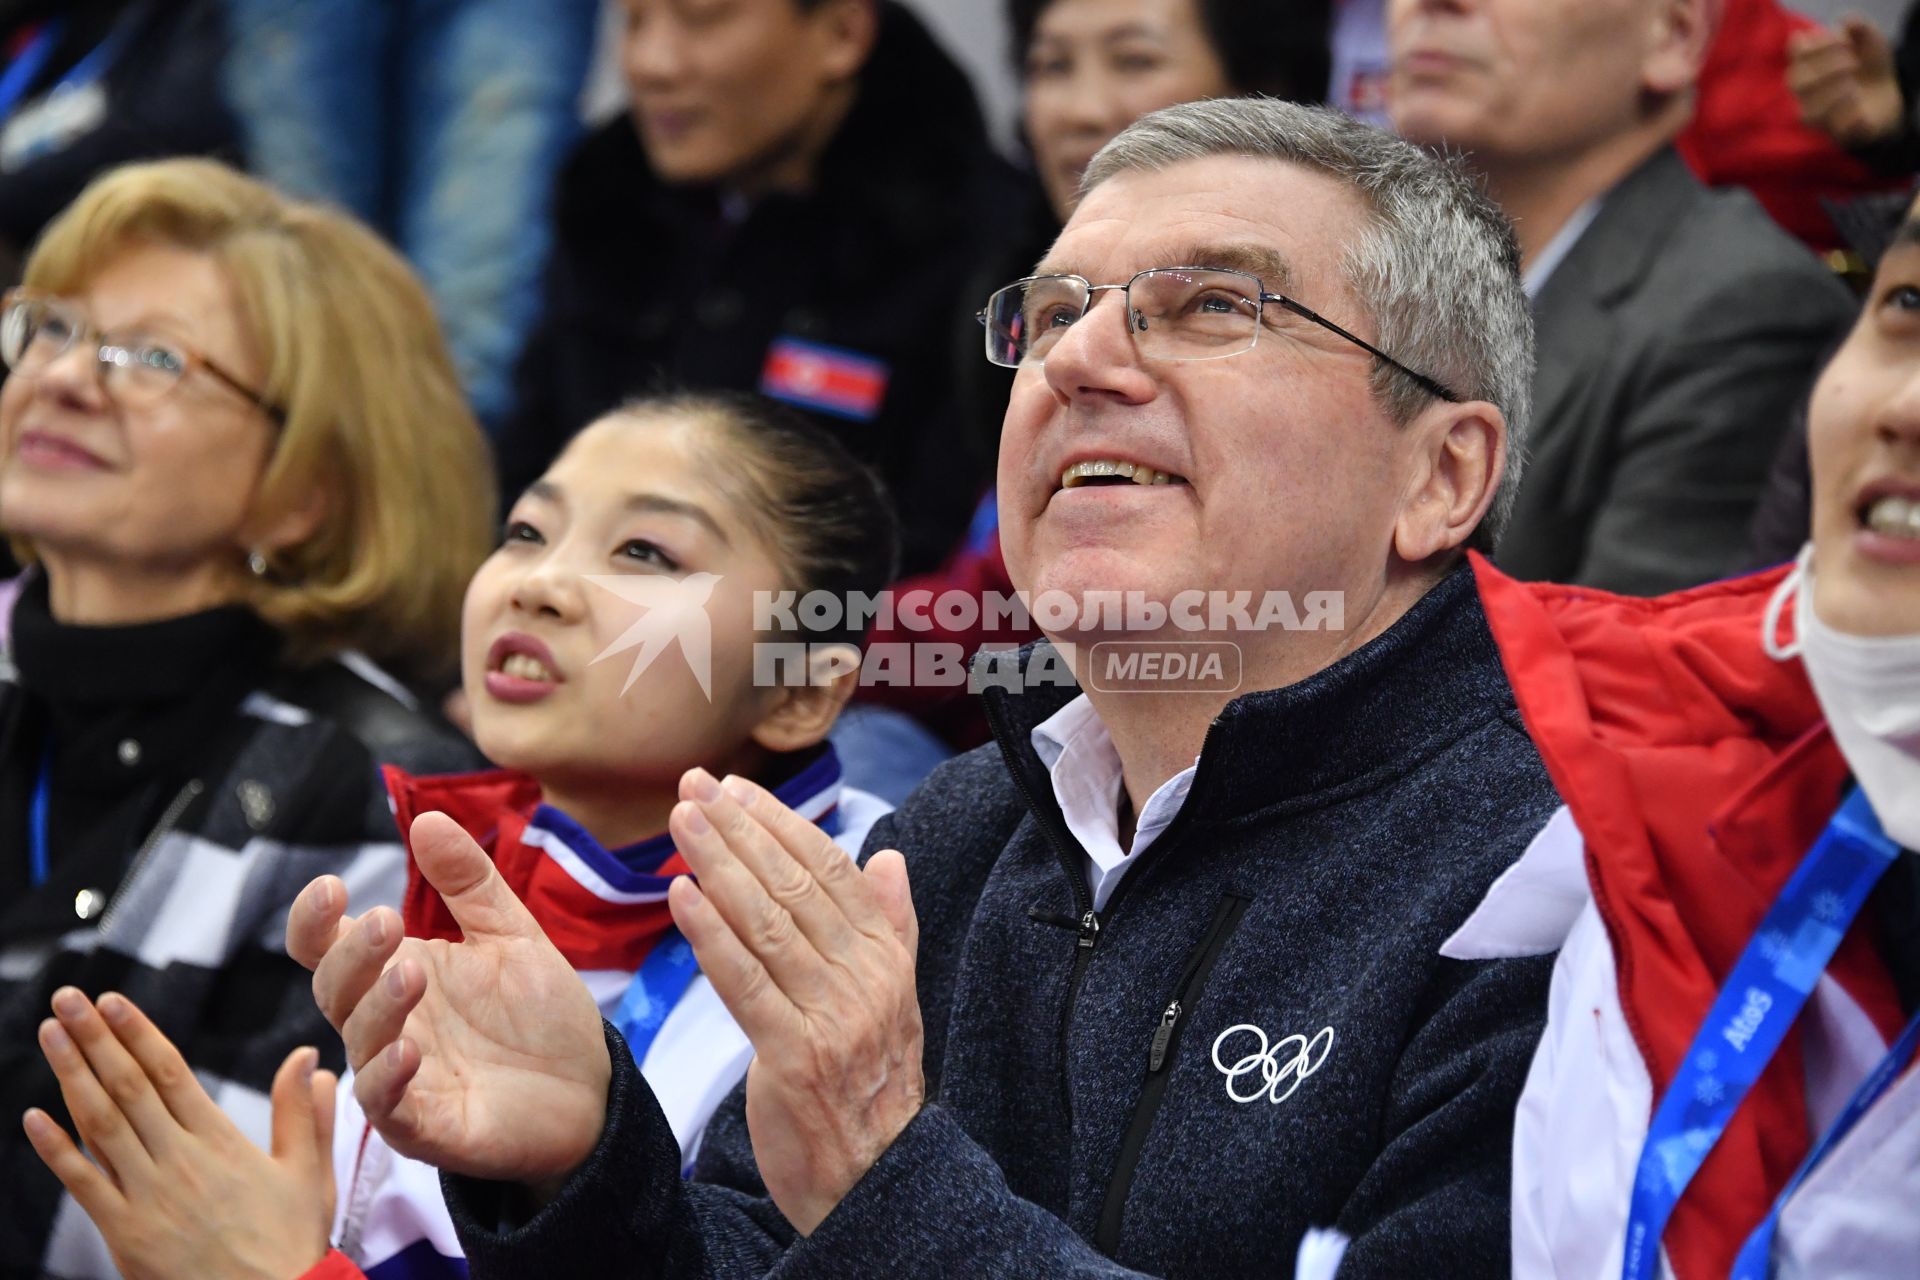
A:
(34, 333)
(1176, 315)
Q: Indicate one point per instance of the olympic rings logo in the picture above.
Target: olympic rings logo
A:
(1288, 1062)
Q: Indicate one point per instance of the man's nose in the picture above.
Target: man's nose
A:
(1097, 355)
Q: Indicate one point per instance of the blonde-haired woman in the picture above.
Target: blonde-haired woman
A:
(234, 454)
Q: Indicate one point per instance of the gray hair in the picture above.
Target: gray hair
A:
(1437, 269)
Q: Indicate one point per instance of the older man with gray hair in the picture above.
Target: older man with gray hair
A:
(1187, 970)
(1679, 328)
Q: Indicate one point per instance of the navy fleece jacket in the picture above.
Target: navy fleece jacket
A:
(1337, 832)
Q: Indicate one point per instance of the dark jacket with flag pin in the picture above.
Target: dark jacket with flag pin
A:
(840, 301)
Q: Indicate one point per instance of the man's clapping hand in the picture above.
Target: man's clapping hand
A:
(814, 958)
(483, 1057)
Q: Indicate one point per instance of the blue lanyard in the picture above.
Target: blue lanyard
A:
(37, 817)
(21, 71)
(1769, 985)
(663, 977)
(1756, 1256)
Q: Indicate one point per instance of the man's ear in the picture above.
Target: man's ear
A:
(802, 714)
(844, 33)
(1459, 456)
(1676, 46)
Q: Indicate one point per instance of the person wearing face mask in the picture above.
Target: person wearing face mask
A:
(235, 457)
(1734, 878)
(792, 205)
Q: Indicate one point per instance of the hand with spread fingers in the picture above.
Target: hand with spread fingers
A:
(814, 957)
(483, 1057)
(1846, 82)
(174, 1186)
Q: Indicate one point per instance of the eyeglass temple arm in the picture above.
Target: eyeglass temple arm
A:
(1307, 313)
(259, 401)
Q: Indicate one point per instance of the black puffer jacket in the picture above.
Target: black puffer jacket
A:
(651, 285)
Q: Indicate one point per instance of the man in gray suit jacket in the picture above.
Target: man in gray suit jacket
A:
(1678, 327)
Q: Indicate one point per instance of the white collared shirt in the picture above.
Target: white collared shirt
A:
(1534, 277)
(1084, 768)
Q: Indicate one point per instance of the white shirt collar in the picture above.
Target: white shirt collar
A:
(1084, 767)
(1534, 278)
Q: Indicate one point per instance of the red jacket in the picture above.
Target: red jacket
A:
(1699, 771)
(1747, 131)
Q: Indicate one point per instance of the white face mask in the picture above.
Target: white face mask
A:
(1869, 686)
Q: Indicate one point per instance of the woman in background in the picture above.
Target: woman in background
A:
(1092, 67)
(235, 458)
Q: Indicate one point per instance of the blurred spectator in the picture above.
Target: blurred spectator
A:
(234, 451)
(1849, 83)
(1361, 67)
(1091, 68)
(440, 122)
(1677, 327)
(794, 206)
(89, 84)
(1747, 130)
(1860, 89)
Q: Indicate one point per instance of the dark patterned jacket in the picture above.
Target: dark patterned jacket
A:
(279, 786)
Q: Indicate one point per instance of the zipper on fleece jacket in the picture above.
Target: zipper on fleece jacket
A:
(1073, 860)
(1160, 1051)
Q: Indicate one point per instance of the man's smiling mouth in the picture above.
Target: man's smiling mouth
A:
(1103, 471)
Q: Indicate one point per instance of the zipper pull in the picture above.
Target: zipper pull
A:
(1162, 1035)
(1089, 929)
(1058, 919)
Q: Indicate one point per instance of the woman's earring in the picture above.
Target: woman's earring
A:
(257, 564)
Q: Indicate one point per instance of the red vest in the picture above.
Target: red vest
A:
(1699, 771)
